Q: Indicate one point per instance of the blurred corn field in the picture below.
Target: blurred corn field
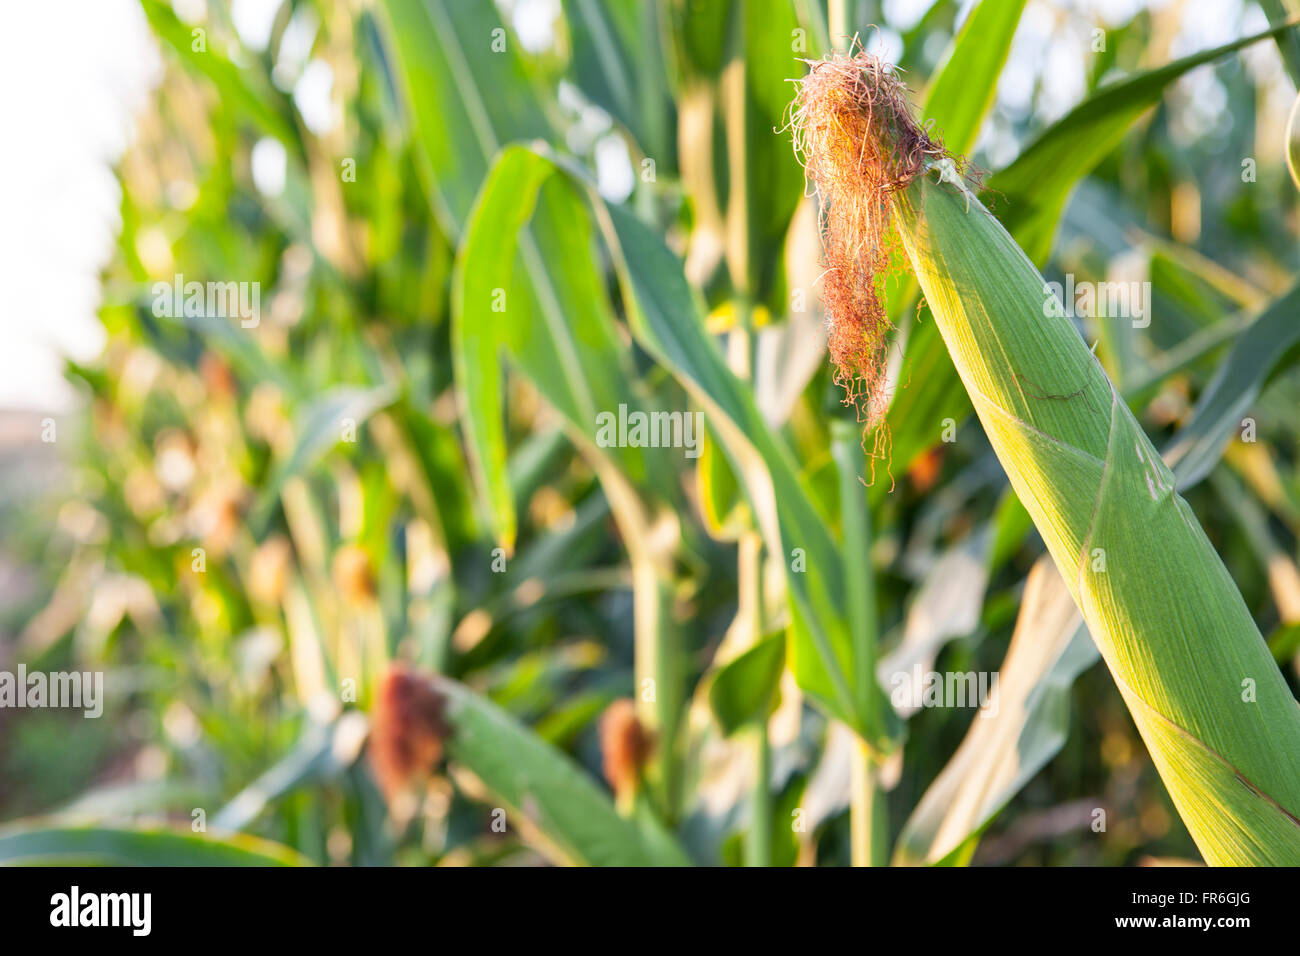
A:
(500, 505)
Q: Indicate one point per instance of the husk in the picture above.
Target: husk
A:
(1216, 714)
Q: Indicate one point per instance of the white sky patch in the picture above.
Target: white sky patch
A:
(884, 43)
(590, 121)
(997, 142)
(1262, 59)
(191, 11)
(268, 160)
(254, 20)
(1201, 107)
(313, 95)
(534, 23)
(614, 174)
(295, 47)
(905, 14)
(1114, 13)
(1212, 23)
(1065, 83)
(934, 47)
(1026, 60)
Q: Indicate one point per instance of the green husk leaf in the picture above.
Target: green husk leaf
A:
(1215, 712)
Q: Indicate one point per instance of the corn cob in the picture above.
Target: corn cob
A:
(1219, 720)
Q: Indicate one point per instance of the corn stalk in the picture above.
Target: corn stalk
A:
(1216, 714)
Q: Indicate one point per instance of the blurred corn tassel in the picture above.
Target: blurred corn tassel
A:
(407, 730)
(625, 746)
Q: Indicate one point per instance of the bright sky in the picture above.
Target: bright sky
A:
(73, 71)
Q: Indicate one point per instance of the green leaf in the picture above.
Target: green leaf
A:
(602, 66)
(1284, 643)
(36, 842)
(770, 183)
(464, 99)
(965, 86)
(1288, 44)
(929, 394)
(665, 319)
(743, 690)
(1292, 143)
(559, 331)
(1258, 351)
(700, 29)
(721, 501)
(543, 788)
(617, 62)
(533, 292)
(812, 19)
(855, 538)
(1011, 522)
(563, 337)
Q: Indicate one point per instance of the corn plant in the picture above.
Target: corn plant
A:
(1220, 721)
(385, 579)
